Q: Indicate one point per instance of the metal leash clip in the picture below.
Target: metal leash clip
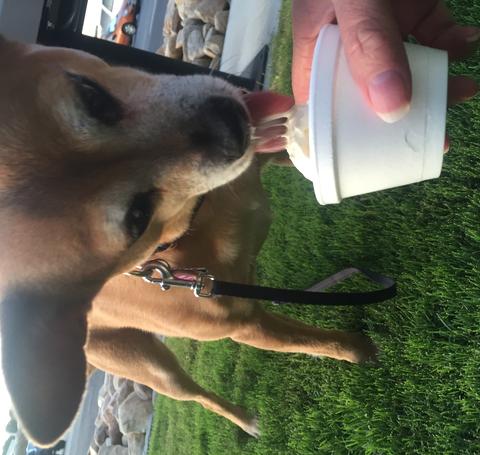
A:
(160, 273)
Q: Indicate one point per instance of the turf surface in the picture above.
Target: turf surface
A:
(424, 396)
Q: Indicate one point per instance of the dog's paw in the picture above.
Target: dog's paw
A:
(364, 349)
(252, 427)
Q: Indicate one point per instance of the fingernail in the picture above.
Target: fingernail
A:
(389, 96)
(473, 36)
(446, 145)
(271, 145)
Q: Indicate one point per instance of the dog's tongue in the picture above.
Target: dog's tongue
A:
(264, 104)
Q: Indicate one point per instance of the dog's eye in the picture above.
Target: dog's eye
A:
(98, 102)
(139, 214)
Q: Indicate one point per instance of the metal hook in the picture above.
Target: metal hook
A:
(197, 277)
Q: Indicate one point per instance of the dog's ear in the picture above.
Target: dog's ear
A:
(9, 50)
(43, 361)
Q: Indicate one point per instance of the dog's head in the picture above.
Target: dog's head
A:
(97, 165)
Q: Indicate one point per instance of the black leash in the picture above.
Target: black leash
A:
(315, 294)
(204, 284)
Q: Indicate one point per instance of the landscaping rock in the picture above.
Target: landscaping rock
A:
(205, 29)
(171, 49)
(207, 9)
(215, 63)
(194, 31)
(194, 43)
(110, 388)
(172, 19)
(113, 450)
(213, 44)
(133, 414)
(180, 39)
(144, 392)
(100, 435)
(203, 61)
(221, 21)
(186, 8)
(135, 443)
(131, 404)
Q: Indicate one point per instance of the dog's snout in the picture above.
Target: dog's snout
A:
(228, 126)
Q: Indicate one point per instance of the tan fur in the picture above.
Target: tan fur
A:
(65, 183)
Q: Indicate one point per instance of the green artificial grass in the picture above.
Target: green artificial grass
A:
(424, 396)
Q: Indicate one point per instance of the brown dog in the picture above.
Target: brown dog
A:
(98, 166)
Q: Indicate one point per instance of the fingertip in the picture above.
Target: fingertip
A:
(265, 104)
(459, 41)
(394, 116)
(446, 145)
(301, 94)
(461, 88)
(390, 95)
(271, 145)
(472, 35)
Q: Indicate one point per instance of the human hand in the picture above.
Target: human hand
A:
(372, 33)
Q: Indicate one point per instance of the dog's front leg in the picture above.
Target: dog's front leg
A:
(276, 332)
(141, 357)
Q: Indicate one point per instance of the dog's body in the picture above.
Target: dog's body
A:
(98, 166)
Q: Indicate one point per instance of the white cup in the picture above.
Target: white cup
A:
(345, 149)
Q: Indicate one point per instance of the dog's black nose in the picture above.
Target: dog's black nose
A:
(224, 126)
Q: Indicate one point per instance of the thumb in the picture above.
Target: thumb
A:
(376, 55)
(308, 17)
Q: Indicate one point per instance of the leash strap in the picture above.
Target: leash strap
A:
(203, 284)
(315, 294)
